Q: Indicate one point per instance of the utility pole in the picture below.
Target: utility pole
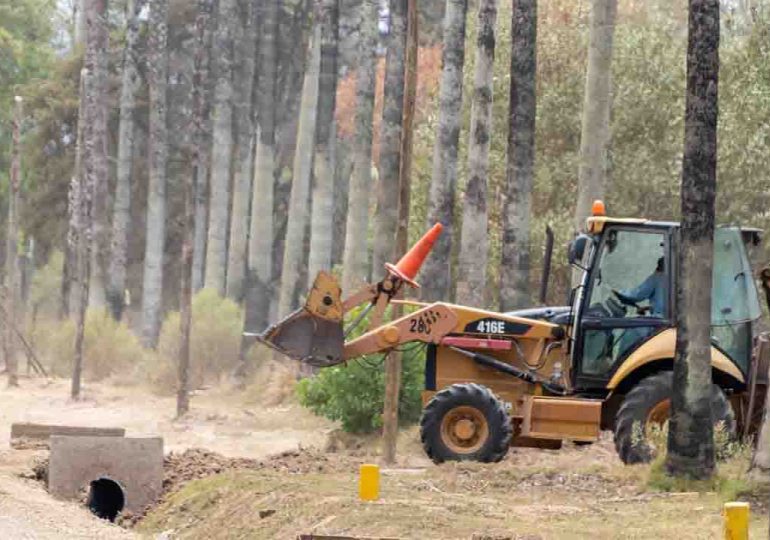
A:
(11, 247)
(393, 360)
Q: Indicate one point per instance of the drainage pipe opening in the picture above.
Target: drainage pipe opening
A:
(106, 498)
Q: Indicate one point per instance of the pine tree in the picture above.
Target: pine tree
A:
(437, 269)
(355, 262)
(121, 214)
(152, 288)
(471, 277)
(222, 145)
(691, 430)
(514, 266)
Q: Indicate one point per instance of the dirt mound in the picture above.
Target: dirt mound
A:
(195, 463)
(180, 468)
(306, 461)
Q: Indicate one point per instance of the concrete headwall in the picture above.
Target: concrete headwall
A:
(134, 463)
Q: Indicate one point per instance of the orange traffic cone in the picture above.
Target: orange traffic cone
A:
(409, 265)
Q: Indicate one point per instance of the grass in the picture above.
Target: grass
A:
(730, 481)
(571, 494)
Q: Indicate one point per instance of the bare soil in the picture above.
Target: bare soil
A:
(222, 421)
(238, 469)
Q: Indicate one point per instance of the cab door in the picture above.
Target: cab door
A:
(628, 298)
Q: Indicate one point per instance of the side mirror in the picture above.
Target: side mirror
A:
(577, 249)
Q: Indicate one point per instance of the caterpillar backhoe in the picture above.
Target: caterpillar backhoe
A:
(540, 376)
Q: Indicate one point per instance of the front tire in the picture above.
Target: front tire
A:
(465, 422)
(648, 403)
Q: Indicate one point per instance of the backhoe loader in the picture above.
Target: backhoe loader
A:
(540, 376)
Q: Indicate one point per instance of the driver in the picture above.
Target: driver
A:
(653, 289)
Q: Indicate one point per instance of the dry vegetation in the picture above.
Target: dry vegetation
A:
(573, 493)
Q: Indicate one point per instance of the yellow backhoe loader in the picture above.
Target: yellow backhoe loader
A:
(537, 377)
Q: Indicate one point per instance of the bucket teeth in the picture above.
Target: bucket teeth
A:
(313, 334)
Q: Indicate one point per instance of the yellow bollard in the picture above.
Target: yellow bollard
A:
(369, 483)
(736, 515)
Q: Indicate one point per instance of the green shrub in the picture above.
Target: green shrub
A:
(109, 348)
(354, 393)
(214, 344)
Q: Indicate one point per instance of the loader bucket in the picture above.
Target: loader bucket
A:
(313, 334)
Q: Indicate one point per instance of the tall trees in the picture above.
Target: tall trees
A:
(152, 288)
(208, 21)
(355, 259)
(386, 215)
(121, 214)
(245, 52)
(294, 252)
(97, 49)
(319, 257)
(222, 145)
(11, 249)
(94, 169)
(514, 266)
(595, 133)
(471, 278)
(691, 436)
(260, 260)
(437, 270)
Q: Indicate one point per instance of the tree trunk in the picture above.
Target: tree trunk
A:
(245, 53)
(436, 273)
(222, 145)
(206, 11)
(121, 216)
(691, 431)
(514, 266)
(11, 292)
(199, 143)
(386, 213)
(70, 288)
(79, 20)
(760, 463)
(260, 262)
(294, 252)
(595, 133)
(152, 289)
(355, 270)
(94, 168)
(320, 254)
(98, 49)
(472, 275)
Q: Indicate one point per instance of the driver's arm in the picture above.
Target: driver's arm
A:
(643, 292)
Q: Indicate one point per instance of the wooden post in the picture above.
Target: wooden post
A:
(205, 10)
(11, 247)
(393, 360)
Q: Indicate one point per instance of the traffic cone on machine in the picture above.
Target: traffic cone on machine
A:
(407, 268)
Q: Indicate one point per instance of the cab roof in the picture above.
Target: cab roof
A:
(596, 224)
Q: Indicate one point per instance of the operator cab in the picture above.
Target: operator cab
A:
(627, 293)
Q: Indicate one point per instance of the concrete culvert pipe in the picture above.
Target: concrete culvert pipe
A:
(106, 498)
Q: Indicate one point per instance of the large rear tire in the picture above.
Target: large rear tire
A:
(465, 422)
(647, 404)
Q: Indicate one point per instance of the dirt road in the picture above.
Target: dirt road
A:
(219, 421)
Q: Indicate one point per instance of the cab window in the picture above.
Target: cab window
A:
(630, 278)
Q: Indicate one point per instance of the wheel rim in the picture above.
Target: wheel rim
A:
(658, 415)
(464, 429)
